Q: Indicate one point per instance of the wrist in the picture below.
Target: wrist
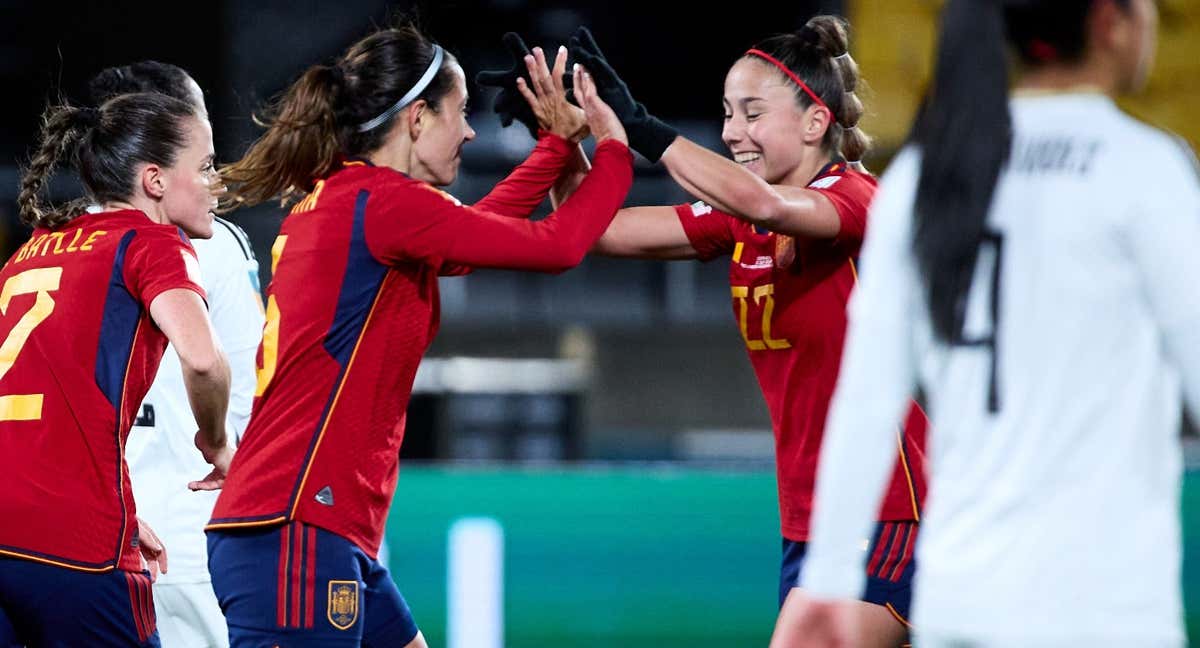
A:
(214, 446)
(651, 137)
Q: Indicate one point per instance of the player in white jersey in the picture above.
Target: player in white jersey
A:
(1031, 266)
(160, 448)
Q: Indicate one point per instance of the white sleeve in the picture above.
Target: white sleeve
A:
(235, 307)
(875, 385)
(1163, 234)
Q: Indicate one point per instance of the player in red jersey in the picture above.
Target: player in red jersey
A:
(791, 212)
(89, 303)
(352, 306)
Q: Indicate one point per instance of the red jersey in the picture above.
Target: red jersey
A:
(790, 305)
(79, 356)
(352, 306)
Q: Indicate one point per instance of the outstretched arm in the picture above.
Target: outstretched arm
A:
(707, 175)
(423, 224)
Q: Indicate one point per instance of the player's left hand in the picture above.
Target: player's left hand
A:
(546, 95)
(509, 105)
(154, 553)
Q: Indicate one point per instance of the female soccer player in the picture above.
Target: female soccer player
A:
(1031, 264)
(353, 305)
(791, 213)
(89, 303)
(160, 446)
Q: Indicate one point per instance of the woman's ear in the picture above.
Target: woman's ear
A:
(817, 120)
(154, 182)
(415, 118)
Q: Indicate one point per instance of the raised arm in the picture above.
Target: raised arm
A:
(728, 186)
(435, 229)
(707, 175)
(536, 95)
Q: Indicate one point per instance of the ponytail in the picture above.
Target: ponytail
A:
(300, 145)
(323, 114)
(964, 133)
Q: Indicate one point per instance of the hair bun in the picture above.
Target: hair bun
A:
(88, 117)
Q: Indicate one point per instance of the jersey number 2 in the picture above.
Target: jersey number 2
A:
(42, 281)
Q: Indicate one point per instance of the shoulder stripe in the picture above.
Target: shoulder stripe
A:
(239, 235)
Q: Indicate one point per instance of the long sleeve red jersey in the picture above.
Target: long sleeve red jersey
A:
(353, 305)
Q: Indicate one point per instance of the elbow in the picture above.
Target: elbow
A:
(564, 258)
(767, 211)
(205, 364)
(566, 261)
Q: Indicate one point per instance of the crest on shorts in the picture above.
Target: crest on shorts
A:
(342, 604)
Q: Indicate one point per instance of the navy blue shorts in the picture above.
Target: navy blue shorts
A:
(57, 607)
(890, 567)
(298, 586)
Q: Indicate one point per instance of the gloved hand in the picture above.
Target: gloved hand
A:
(647, 134)
(510, 106)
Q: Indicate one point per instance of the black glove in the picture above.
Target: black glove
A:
(647, 134)
(510, 105)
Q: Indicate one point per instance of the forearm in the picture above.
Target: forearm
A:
(720, 182)
(207, 388)
(560, 241)
(519, 194)
(572, 176)
(733, 189)
(645, 233)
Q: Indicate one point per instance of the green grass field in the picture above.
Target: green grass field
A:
(624, 556)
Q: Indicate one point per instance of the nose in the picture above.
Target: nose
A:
(469, 133)
(733, 132)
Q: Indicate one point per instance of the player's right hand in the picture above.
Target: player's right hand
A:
(602, 120)
(219, 457)
(154, 553)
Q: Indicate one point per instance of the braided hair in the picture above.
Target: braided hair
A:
(104, 145)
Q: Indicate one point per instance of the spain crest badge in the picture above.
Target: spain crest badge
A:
(342, 604)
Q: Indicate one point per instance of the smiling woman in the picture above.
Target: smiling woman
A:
(790, 210)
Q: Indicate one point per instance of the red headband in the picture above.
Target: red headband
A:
(792, 75)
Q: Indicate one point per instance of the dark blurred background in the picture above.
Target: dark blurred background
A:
(656, 366)
(615, 363)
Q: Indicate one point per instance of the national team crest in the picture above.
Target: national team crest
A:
(342, 604)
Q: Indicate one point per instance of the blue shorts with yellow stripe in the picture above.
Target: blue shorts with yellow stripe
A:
(890, 566)
(58, 607)
(300, 586)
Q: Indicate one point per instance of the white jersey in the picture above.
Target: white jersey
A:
(161, 450)
(1053, 509)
